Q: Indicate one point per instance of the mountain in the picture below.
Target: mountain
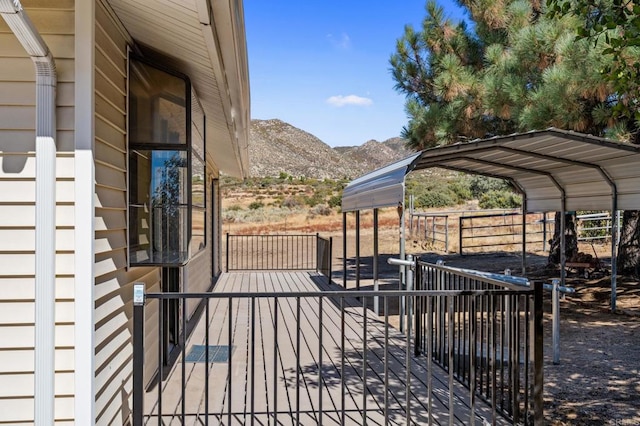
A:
(276, 147)
(373, 154)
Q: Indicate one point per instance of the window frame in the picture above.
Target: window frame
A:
(189, 99)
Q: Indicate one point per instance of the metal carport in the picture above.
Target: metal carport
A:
(554, 170)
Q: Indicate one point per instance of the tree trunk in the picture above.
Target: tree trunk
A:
(629, 248)
(571, 239)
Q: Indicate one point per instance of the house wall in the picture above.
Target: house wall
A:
(113, 283)
(55, 20)
(113, 280)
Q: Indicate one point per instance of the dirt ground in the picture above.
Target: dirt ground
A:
(597, 381)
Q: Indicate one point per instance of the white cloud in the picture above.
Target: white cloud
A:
(342, 42)
(340, 101)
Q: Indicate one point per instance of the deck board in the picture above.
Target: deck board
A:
(264, 381)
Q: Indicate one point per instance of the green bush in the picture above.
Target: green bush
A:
(435, 198)
(256, 205)
(481, 185)
(314, 200)
(496, 199)
(335, 201)
(234, 208)
(461, 189)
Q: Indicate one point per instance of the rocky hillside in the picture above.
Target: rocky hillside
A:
(276, 147)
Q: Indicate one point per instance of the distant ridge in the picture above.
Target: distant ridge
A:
(277, 147)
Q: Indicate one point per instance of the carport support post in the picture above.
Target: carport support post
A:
(563, 242)
(402, 282)
(614, 252)
(357, 249)
(524, 235)
(344, 249)
(376, 303)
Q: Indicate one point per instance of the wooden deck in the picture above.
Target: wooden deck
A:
(264, 381)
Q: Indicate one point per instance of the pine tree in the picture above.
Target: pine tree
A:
(614, 26)
(514, 69)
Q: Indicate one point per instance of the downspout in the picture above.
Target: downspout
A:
(27, 34)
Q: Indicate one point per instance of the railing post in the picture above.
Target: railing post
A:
(418, 309)
(318, 254)
(409, 287)
(401, 299)
(138, 353)
(330, 261)
(344, 249)
(538, 366)
(227, 257)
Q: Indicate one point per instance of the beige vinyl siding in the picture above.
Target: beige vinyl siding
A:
(197, 278)
(114, 281)
(55, 21)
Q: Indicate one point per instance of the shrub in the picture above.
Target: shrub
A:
(321, 210)
(335, 201)
(291, 202)
(461, 189)
(234, 208)
(435, 198)
(480, 185)
(500, 200)
(314, 200)
(284, 176)
(256, 205)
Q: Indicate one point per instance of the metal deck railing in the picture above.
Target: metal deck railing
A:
(485, 340)
(290, 252)
(322, 358)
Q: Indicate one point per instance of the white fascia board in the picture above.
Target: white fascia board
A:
(227, 52)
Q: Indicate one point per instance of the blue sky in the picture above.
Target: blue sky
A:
(323, 66)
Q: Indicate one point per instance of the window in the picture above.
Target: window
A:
(163, 165)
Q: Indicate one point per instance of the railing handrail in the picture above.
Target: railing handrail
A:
(272, 235)
(270, 252)
(468, 273)
(336, 293)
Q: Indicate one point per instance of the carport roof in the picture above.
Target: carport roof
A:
(545, 166)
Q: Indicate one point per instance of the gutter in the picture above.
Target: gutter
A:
(45, 253)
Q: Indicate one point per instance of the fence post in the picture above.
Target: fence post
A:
(544, 231)
(446, 234)
(138, 353)
(538, 366)
(460, 235)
